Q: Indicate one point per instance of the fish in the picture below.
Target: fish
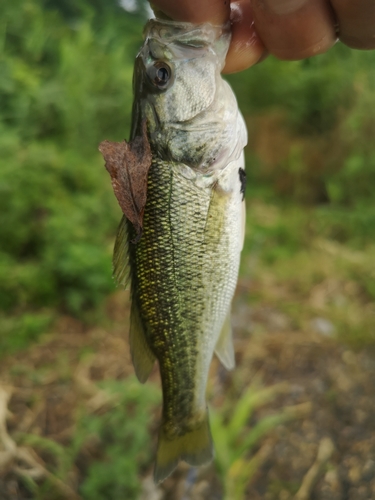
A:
(180, 182)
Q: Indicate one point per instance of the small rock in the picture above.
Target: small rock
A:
(354, 475)
(284, 495)
(332, 479)
(150, 491)
(368, 471)
(323, 326)
(349, 358)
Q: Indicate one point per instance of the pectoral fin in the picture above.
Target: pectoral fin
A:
(224, 347)
(143, 358)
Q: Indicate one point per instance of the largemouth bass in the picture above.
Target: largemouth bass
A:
(180, 182)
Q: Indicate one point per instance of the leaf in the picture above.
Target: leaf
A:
(128, 165)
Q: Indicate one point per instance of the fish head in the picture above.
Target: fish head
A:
(176, 85)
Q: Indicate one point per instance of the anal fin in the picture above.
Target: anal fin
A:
(143, 358)
(224, 349)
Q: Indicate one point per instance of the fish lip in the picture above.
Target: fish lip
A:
(174, 34)
(206, 33)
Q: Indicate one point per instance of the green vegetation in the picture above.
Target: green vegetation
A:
(235, 442)
(315, 119)
(313, 262)
(125, 437)
(118, 439)
(65, 84)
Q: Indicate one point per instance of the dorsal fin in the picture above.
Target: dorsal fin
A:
(121, 270)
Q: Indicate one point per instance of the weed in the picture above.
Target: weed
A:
(235, 460)
(124, 436)
(119, 439)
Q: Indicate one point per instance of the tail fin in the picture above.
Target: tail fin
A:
(195, 447)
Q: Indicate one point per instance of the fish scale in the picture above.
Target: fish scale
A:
(159, 278)
(173, 272)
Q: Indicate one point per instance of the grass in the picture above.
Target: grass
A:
(307, 274)
(115, 446)
(243, 439)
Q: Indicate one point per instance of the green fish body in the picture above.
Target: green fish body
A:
(183, 269)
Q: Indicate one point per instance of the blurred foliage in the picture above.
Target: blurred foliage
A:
(124, 436)
(16, 332)
(118, 441)
(312, 263)
(316, 124)
(65, 85)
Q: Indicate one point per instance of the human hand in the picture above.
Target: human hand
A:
(288, 29)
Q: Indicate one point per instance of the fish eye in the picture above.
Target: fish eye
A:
(160, 74)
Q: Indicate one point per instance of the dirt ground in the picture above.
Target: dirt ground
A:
(328, 454)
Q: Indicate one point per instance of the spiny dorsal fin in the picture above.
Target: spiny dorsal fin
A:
(224, 347)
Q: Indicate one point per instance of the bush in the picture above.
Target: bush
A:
(310, 129)
(65, 85)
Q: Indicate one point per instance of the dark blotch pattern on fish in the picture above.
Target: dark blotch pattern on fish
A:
(242, 175)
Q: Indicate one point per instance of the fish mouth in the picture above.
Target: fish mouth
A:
(181, 40)
(187, 34)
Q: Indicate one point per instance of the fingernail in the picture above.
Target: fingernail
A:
(284, 6)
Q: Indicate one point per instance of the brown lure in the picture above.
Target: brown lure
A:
(128, 164)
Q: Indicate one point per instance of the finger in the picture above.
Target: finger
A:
(294, 29)
(356, 22)
(246, 47)
(195, 11)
